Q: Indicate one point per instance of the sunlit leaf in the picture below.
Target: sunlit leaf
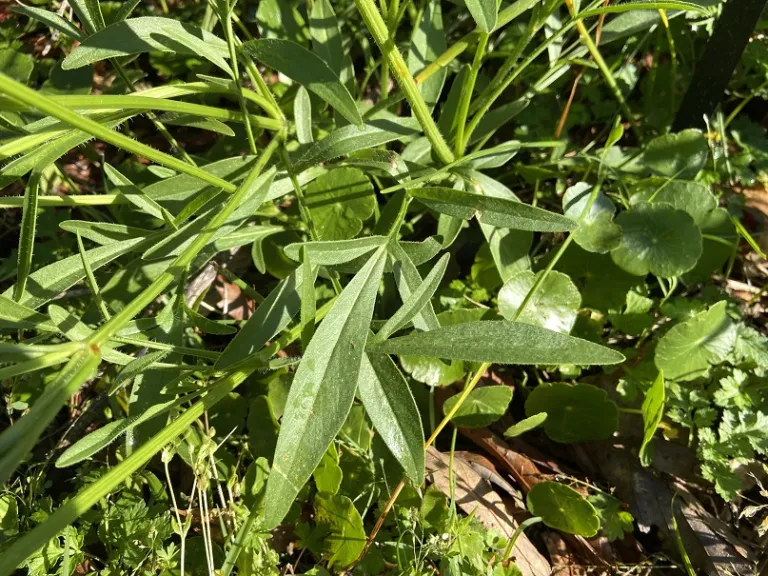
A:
(562, 508)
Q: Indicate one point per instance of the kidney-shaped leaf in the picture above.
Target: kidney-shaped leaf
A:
(500, 342)
(322, 390)
(482, 407)
(681, 155)
(308, 69)
(147, 34)
(339, 201)
(596, 232)
(691, 197)
(489, 210)
(574, 413)
(657, 238)
(564, 509)
(688, 349)
(393, 412)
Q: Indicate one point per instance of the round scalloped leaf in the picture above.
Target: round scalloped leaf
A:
(691, 197)
(659, 239)
(596, 232)
(577, 413)
(714, 253)
(339, 201)
(554, 306)
(679, 155)
(564, 509)
(482, 407)
(688, 349)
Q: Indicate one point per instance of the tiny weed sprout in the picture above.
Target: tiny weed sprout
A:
(383, 287)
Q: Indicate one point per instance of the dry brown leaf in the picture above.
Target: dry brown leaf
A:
(473, 494)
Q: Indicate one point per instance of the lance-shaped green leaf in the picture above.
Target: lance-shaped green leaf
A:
(52, 20)
(27, 235)
(500, 342)
(308, 69)
(146, 34)
(525, 425)
(653, 412)
(18, 440)
(427, 43)
(15, 315)
(484, 12)
(489, 210)
(89, 14)
(104, 233)
(350, 139)
(208, 326)
(272, 315)
(51, 280)
(323, 389)
(327, 39)
(408, 280)
(135, 367)
(334, 252)
(104, 436)
(302, 115)
(415, 302)
(76, 331)
(390, 405)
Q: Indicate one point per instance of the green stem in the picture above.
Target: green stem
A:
(226, 22)
(43, 103)
(380, 33)
(516, 534)
(466, 97)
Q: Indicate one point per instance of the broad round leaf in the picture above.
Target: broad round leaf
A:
(657, 239)
(574, 413)
(339, 201)
(482, 407)
(564, 509)
(688, 349)
(679, 155)
(553, 306)
(596, 232)
(691, 197)
(346, 535)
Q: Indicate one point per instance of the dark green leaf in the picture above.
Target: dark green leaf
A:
(309, 70)
(576, 413)
(327, 39)
(562, 508)
(657, 238)
(679, 155)
(339, 202)
(614, 520)
(52, 20)
(596, 232)
(27, 235)
(481, 408)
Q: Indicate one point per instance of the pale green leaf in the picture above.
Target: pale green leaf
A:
(484, 12)
(346, 535)
(500, 342)
(525, 425)
(334, 252)
(481, 408)
(653, 411)
(553, 306)
(302, 115)
(596, 232)
(323, 389)
(427, 43)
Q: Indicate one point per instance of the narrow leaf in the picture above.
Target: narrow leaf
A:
(500, 342)
(390, 405)
(427, 43)
(52, 20)
(27, 235)
(484, 12)
(408, 280)
(335, 252)
(653, 412)
(489, 210)
(15, 315)
(309, 70)
(326, 37)
(322, 390)
(302, 114)
(416, 302)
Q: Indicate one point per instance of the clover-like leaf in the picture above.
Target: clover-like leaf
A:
(562, 508)
(577, 413)
(339, 201)
(597, 232)
(679, 155)
(481, 408)
(553, 306)
(688, 349)
(657, 238)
